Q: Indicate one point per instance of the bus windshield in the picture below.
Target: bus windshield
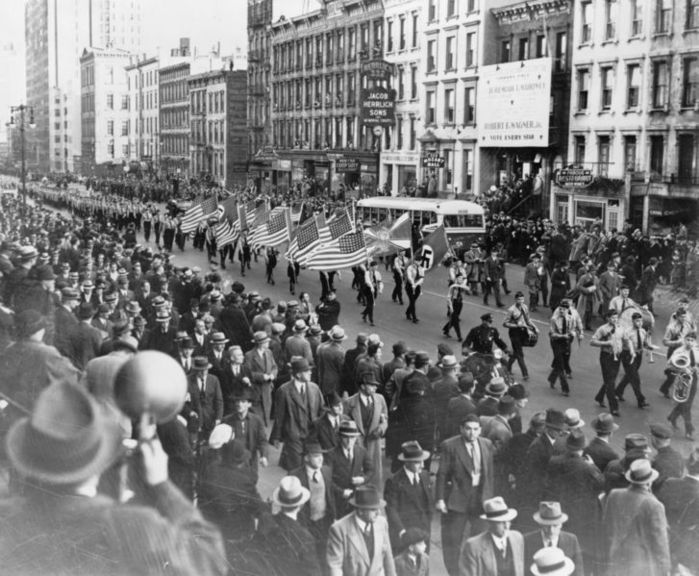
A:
(463, 220)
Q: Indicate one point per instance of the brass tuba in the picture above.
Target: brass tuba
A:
(679, 367)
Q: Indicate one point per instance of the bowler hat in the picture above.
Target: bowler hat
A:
(348, 428)
(550, 513)
(200, 363)
(412, 452)
(290, 493)
(496, 510)
(552, 561)
(367, 497)
(66, 439)
(604, 424)
(641, 472)
(299, 364)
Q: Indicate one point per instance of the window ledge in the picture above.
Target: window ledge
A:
(586, 45)
(637, 37)
(450, 70)
(581, 112)
(634, 110)
(660, 110)
(606, 112)
(606, 41)
(688, 31)
(659, 34)
(694, 108)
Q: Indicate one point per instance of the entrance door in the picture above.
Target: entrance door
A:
(587, 212)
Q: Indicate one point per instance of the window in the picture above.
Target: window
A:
(415, 31)
(448, 172)
(110, 148)
(542, 48)
(125, 150)
(451, 8)
(523, 49)
(413, 82)
(561, 51)
(505, 51)
(586, 23)
(413, 135)
(470, 49)
(351, 43)
(607, 83)
(468, 169)
(610, 17)
(431, 56)
(124, 127)
(583, 88)
(579, 150)
(603, 146)
(469, 105)
(663, 18)
(401, 81)
(633, 78)
(636, 17)
(430, 115)
(690, 81)
(389, 36)
(471, 6)
(657, 154)
(692, 13)
(401, 34)
(399, 133)
(686, 159)
(110, 101)
(449, 110)
(432, 11)
(660, 83)
(125, 102)
(450, 60)
(630, 153)
(110, 128)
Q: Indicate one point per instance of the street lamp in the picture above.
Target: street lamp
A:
(22, 109)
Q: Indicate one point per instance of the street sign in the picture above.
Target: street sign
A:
(377, 70)
(378, 106)
(574, 177)
(343, 165)
(433, 160)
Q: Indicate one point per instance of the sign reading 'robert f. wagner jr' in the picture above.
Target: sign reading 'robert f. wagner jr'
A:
(378, 106)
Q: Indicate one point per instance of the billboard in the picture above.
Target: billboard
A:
(513, 104)
(378, 106)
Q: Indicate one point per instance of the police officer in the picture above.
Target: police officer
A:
(481, 338)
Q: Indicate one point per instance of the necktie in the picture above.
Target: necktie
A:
(476, 457)
(565, 324)
(369, 538)
(623, 306)
(639, 342)
(315, 476)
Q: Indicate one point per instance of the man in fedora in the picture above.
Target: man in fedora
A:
(60, 451)
(635, 526)
(444, 389)
(494, 390)
(550, 534)
(235, 378)
(263, 372)
(326, 430)
(65, 321)
(216, 353)
(408, 494)
(297, 344)
(205, 394)
(248, 428)
(498, 551)
(540, 452)
(552, 562)
(351, 466)
(297, 404)
(27, 258)
(85, 340)
(668, 461)
(359, 544)
(465, 479)
(599, 448)
(330, 358)
(162, 337)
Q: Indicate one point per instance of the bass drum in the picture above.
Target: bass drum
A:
(626, 321)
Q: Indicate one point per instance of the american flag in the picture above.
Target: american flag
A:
(344, 252)
(334, 229)
(197, 213)
(275, 230)
(246, 215)
(304, 241)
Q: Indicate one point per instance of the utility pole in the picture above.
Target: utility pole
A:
(22, 108)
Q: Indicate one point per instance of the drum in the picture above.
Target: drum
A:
(625, 318)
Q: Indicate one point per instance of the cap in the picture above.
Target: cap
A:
(661, 431)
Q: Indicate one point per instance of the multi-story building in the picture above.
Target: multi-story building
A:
(218, 126)
(105, 106)
(316, 83)
(142, 81)
(174, 118)
(12, 87)
(56, 35)
(525, 31)
(258, 65)
(403, 34)
(634, 114)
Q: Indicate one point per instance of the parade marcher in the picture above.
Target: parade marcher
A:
(61, 450)
(623, 300)
(609, 339)
(560, 284)
(637, 340)
(297, 404)
(249, 429)
(464, 481)
(498, 550)
(359, 543)
(205, 393)
(599, 448)
(349, 369)
(297, 344)
(351, 466)
(398, 268)
(532, 280)
(561, 334)
(636, 527)
(414, 278)
(455, 303)
(481, 338)
(263, 370)
(493, 273)
(550, 534)
(328, 311)
(519, 325)
(677, 327)
(371, 287)
(683, 409)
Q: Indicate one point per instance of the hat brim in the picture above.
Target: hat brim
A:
(305, 497)
(379, 505)
(511, 514)
(338, 339)
(350, 434)
(653, 477)
(21, 454)
(200, 368)
(425, 455)
(567, 569)
(562, 519)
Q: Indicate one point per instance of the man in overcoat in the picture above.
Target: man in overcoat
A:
(260, 362)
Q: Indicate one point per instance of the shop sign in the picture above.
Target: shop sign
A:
(377, 70)
(378, 106)
(433, 160)
(266, 154)
(574, 177)
(343, 165)
(283, 165)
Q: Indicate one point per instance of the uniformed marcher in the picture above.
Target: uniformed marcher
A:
(481, 338)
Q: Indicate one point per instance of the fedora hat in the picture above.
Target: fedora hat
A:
(641, 472)
(162, 316)
(496, 387)
(200, 363)
(367, 497)
(290, 493)
(448, 361)
(315, 329)
(313, 447)
(572, 418)
(133, 307)
(66, 439)
(218, 338)
(555, 419)
(552, 562)
(299, 364)
(496, 510)
(29, 322)
(26, 253)
(550, 513)
(604, 423)
(348, 428)
(278, 328)
(220, 435)
(337, 334)
(243, 394)
(260, 336)
(412, 452)
(69, 294)
(300, 326)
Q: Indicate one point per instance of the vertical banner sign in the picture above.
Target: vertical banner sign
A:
(513, 104)
(378, 106)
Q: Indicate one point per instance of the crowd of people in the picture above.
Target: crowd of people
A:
(83, 293)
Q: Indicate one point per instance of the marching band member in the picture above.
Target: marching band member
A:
(689, 351)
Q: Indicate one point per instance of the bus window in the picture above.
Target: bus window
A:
(382, 213)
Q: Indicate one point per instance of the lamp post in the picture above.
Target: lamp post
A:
(22, 109)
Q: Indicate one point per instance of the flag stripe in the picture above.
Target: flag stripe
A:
(344, 252)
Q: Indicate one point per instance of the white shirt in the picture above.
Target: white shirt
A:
(500, 543)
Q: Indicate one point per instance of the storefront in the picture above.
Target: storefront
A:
(399, 172)
(657, 207)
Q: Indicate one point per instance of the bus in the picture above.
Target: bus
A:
(464, 222)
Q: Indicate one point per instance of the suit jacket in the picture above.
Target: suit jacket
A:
(349, 369)
(323, 431)
(231, 384)
(347, 551)
(377, 426)
(293, 416)
(454, 483)
(305, 513)
(235, 326)
(496, 429)
(297, 345)
(289, 547)
(201, 348)
(537, 461)
(261, 365)
(407, 507)
(669, 463)
(209, 404)
(568, 542)
(85, 342)
(330, 358)
(255, 437)
(216, 363)
(162, 341)
(65, 323)
(478, 555)
(344, 470)
(404, 566)
(601, 453)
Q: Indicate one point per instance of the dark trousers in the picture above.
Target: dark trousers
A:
(684, 409)
(369, 300)
(494, 287)
(146, 229)
(454, 319)
(156, 228)
(457, 527)
(516, 336)
(560, 347)
(397, 293)
(610, 370)
(631, 376)
(413, 294)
